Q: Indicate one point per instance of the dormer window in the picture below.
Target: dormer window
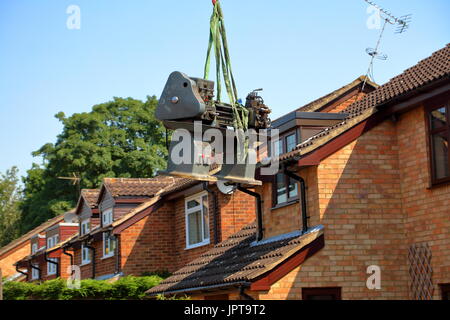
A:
(291, 141)
(286, 143)
(107, 217)
(85, 226)
(34, 248)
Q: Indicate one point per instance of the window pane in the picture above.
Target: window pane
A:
(112, 241)
(293, 188)
(109, 244)
(195, 227)
(205, 217)
(281, 189)
(440, 155)
(277, 148)
(192, 204)
(438, 118)
(291, 142)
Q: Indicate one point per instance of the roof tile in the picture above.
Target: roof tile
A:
(235, 260)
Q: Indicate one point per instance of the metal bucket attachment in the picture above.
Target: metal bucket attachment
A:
(192, 169)
(242, 172)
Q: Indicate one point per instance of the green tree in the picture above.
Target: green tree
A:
(10, 196)
(120, 138)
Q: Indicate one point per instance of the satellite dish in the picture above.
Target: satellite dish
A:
(226, 187)
(375, 54)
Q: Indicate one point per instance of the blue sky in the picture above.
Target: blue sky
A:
(296, 50)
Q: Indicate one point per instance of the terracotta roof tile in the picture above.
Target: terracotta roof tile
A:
(90, 196)
(138, 186)
(319, 103)
(236, 260)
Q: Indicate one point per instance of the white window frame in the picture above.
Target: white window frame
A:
(107, 217)
(87, 224)
(34, 248)
(111, 253)
(85, 252)
(34, 273)
(51, 242)
(198, 196)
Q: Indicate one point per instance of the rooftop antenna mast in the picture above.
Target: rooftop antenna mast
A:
(75, 181)
(402, 25)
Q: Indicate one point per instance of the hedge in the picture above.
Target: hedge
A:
(125, 288)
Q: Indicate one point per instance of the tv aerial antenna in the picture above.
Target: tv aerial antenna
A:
(401, 24)
(75, 181)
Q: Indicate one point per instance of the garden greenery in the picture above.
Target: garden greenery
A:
(126, 288)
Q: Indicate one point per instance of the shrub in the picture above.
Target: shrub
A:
(174, 297)
(17, 290)
(160, 273)
(134, 287)
(129, 287)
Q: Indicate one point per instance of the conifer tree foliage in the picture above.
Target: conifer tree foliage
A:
(119, 138)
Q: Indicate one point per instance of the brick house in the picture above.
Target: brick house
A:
(19, 249)
(368, 195)
(45, 260)
(135, 226)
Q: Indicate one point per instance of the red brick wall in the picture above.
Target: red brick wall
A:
(147, 245)
(102, 266)
(373, 198)
(12, 256)
(355, 194)
(426, 210)
(235, 211)
(158, 241)
(66, 232)
(85, 270)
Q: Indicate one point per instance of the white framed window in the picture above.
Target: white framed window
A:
(107, 217)
(109, 244)
(34, 273)
(85, 226)
(51, 242)
(197, 220)
(85, 255)
(34, 248)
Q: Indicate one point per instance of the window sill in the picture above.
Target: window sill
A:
(437, 184)
(107, 257)
(85, 263)
(198, 245)
(285, 204)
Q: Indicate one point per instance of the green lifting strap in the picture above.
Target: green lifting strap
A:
(218, 39)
